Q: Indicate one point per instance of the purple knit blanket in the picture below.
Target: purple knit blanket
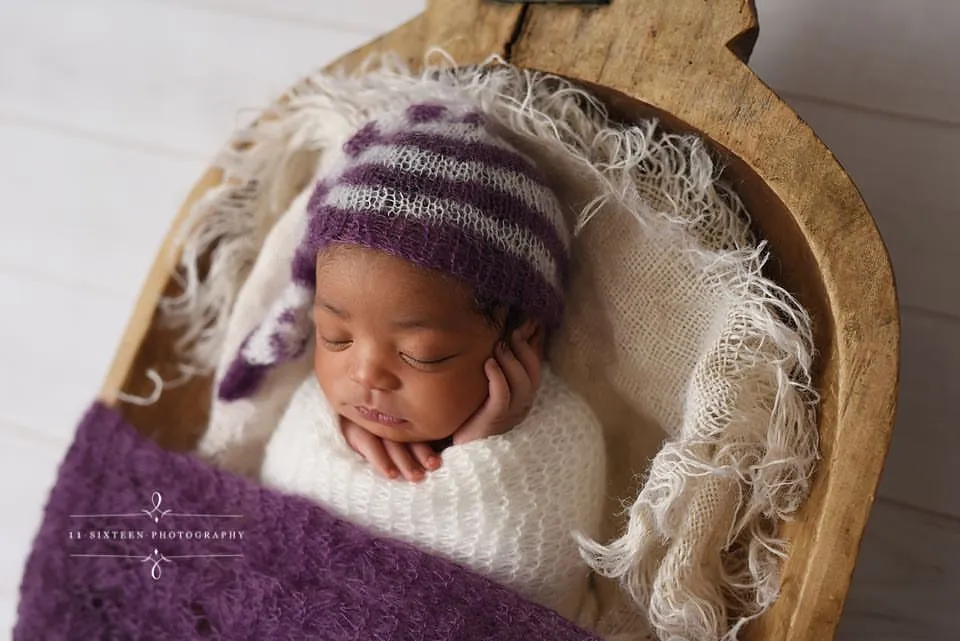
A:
(141, 543)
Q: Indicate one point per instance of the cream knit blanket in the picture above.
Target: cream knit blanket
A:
(505, 506)
(696, 364)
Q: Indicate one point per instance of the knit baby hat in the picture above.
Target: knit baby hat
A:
(433, 184)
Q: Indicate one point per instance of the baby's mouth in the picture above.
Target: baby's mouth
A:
(376, 416)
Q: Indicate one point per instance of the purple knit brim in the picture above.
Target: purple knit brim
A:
(297, 573)
(515, 281)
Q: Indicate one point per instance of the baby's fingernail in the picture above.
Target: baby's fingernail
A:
(433, 461)
(392, 472)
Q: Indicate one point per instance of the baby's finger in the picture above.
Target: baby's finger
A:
(516, 374)
(371, 447)
(496, 405)
(498, 388)
(526, 353)
(349, 431)
(424, 453)
(403, 458)
(359, 439)
(537, 341)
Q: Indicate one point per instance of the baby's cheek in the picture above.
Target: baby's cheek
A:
(447, 405)
(328, 376)
(467, 395)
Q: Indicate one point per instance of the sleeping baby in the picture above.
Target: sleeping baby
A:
(430, 276)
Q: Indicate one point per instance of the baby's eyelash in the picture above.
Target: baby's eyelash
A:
(331, 343)
(435, 361)
(340, 345)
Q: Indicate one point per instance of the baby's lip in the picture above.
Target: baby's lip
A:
(376, 416)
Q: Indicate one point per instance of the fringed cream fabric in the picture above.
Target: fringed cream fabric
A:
(697, 365)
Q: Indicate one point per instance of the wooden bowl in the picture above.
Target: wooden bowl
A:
(683, 61)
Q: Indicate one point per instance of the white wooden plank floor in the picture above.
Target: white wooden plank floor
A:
(110, 108)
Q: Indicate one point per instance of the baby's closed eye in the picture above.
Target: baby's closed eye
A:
(335, 343)
(427, 361)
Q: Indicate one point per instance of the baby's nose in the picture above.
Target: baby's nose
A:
(372, 374)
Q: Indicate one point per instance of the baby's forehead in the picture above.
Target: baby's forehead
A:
(361, 278)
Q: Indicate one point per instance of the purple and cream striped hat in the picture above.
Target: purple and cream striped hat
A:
(433, 184)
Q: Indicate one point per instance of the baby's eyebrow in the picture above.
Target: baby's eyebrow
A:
(336, 311)
(417, 323)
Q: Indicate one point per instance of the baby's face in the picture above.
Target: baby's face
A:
(399, 350)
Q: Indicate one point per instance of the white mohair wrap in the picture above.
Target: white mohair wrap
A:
(697, 365)
(505, 506)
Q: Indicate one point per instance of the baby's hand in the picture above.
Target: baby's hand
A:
(514, 378)
(390, 458)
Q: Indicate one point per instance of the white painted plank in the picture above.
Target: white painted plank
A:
(369, 17)
(8, 610)
(86, 213)
(59, 342)
(907, 581)
(890, 55)
(161, 74)
(920, 468)
(907, 172)
(28, 468)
